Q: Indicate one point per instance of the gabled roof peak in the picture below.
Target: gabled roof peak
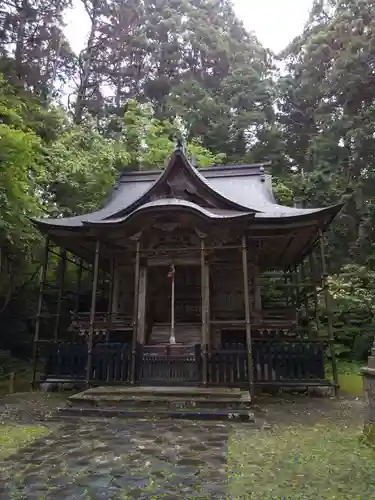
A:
(180, 145)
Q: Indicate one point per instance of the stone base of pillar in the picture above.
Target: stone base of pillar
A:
(369, 386)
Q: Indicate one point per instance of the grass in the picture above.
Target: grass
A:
(351, 384)
(325, 461)
(350, 378)
(14, 437)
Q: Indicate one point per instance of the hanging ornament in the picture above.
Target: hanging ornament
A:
(171, 272)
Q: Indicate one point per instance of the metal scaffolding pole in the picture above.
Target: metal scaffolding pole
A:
(92, 312)
(61, 281)
(247, 316)
(39, 310)
(327, 297)
(135, 313)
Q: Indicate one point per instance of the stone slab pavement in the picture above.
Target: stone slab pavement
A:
(117, 459)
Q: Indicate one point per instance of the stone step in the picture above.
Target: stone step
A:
(192, 393)
(159, 402)
(239, 415)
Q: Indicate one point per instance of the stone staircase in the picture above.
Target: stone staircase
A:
(185, 333)
(197, 403)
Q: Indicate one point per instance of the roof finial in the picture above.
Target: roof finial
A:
(180, 144)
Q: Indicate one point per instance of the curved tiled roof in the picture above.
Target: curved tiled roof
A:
(244, 190)
(177, 204)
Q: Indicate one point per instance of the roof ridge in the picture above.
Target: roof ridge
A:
(212, 168)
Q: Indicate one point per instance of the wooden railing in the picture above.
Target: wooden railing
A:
(67, 360)
(111, 362)
(274, 363)
(171, 367)
(288, 362)
(228, 367)
(102, 321)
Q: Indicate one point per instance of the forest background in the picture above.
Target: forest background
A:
(151, 68)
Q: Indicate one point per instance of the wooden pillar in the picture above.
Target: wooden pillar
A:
(141, 326)
(295, 278)
(116, 278)
(92, 312)
(79, 285)
(172, 336)
(305, 289)
(78, 294)
(39, 309)
(257, 292)
(61, 282)
(247, 315)
(135, 312)
(327, 297)
(205, 311)
(313, 275)
(110, 296)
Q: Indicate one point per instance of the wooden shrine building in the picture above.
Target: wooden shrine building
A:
(209, 281)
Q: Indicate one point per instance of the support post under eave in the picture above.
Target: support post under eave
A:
(204, 306)
(313, 273)
(61, 282)
(135, 312)
(78, 293)
(79, 285)
(39, 310)
(247, 316)
(92, 313)
(327, 297)
(110, 296)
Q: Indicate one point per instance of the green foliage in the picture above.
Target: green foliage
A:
(283, 193)
(353, 292)
(81, 166)
(21, 171)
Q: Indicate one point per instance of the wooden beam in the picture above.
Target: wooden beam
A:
(177, 261)
(39, 309)
(188, 249)
(92, 312)
(247, 315)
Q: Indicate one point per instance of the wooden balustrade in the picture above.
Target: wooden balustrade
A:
(102, 321)
(110, 362)
(172, 367)
(285, 363)
(228, 367)
(275, 363)
(169, 369)
(66, 360)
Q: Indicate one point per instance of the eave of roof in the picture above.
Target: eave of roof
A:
(176, 204)
(245, 190)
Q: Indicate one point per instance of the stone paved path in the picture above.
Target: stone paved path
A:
(121, 460)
